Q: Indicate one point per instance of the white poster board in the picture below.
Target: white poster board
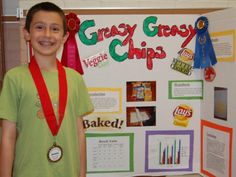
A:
(218, 108)
(129, 62)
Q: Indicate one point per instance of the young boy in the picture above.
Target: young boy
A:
(42, 105)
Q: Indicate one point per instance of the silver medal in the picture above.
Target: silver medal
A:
(55, 153)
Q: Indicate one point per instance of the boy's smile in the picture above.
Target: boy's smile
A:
(46, 33)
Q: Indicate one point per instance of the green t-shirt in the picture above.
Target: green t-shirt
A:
(19, 102)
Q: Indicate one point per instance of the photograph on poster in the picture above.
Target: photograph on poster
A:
(141, 91)
(106, 100)
(185, 89)
(224, 45)
(216, 149)
(220, 103)
(169, 151)
(108, 153)
(141, 116)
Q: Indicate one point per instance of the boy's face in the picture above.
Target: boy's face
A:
(46, 33)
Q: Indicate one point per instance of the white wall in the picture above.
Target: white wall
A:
(156, 4)
(10, 6)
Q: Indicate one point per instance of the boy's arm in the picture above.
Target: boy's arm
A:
(82, 147)
(7, 148)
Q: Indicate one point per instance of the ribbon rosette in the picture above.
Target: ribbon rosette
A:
(204, 51)
(70, 54)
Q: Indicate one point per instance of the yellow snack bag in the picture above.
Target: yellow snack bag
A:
(182, 114)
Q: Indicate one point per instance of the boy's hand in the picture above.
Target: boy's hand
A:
(8, 141)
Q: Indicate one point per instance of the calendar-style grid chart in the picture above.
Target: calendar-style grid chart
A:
(168, 151)
(107, 153)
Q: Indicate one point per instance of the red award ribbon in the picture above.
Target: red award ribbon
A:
(70, 54)
(45, 100)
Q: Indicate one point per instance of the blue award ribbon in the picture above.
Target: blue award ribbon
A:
(204, 51)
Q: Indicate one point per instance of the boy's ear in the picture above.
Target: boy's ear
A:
(26, 35)
(65, 37)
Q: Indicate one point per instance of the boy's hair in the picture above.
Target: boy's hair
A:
(48, 7)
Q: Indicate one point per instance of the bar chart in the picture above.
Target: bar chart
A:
(170, 154)
(169, 151)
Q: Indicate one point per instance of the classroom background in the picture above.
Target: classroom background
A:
(12, 43)
(12, 10)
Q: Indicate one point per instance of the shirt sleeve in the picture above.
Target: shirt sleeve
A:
(9, 99)
(85, 105)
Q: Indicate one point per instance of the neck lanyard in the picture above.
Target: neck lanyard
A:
(44, 97)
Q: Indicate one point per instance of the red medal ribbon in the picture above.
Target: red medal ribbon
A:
(70, 54)
(44, 95)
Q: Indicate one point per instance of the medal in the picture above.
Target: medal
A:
(55, 153)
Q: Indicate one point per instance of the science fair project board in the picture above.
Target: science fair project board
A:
(218, 106)
(154, 114)
(138, 69)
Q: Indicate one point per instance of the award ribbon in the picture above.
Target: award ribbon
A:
(44, 95)
(70, 54)
(204, 51)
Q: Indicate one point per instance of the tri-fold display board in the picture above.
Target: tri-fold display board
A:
(155, 114)
(147, 98)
